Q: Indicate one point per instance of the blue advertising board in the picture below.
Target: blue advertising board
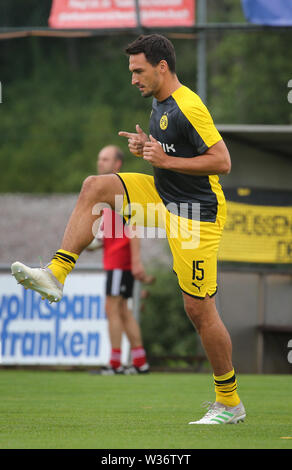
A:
(73, 331)
(268, 12)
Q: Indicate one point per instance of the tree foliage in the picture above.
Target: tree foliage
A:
(63, 99)
(164, 323)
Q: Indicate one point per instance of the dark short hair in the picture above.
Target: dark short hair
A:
(155, 47)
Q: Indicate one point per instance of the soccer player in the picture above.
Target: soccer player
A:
(122, 264)
(187, 153)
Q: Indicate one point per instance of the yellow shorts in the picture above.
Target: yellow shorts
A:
(194, 245)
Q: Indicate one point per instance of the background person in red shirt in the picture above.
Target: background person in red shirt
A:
(122, 263)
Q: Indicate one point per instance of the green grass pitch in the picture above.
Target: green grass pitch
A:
(77, 410)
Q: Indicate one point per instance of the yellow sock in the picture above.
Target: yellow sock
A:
(226, 389)
(62, 264)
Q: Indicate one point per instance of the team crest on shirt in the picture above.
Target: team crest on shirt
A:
(163, 122)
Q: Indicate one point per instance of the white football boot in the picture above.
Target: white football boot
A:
(41, 280)
(221, 414)
(133, 370)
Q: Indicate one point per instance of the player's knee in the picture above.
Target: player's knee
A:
(202, 312)
(195, 314)
(196, 311)
(92, 187)
(89, 185)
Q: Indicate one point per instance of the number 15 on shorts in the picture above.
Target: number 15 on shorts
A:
(198, 270)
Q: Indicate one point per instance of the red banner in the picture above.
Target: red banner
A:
(121, 13)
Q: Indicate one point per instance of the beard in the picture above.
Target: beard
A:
(148, 94)
(154, 87)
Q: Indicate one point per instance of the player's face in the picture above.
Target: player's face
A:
(106, 163)
(145, 76)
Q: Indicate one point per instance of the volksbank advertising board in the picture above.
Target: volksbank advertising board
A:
(73, 331)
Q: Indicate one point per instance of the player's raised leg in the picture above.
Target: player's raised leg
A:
(49, 281)
(95, 189)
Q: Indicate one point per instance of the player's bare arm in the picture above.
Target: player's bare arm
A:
(136, 141)
(138, 270)
(216, 160)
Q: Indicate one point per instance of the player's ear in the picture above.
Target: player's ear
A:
(163, 66)
(118, 165)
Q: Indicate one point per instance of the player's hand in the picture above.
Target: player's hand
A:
(138, 271)
(154, 154)
(148, 279)
(136, 141)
